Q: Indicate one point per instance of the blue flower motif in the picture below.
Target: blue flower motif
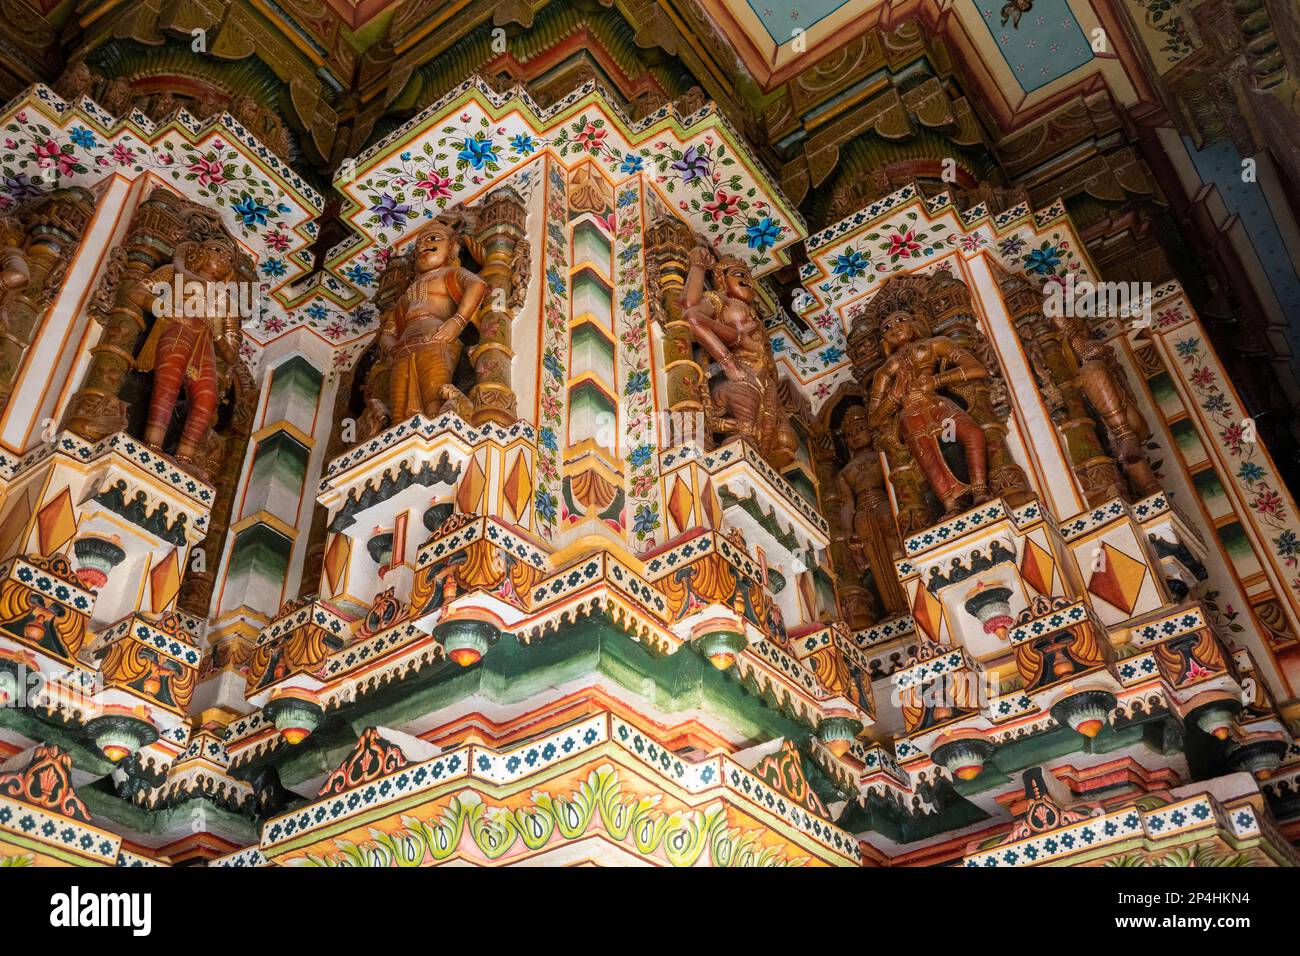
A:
(1188, 347)
(250, 211)
(1249, 471)
(640, 456)
(523, 144)
(83, 137)
(646, 520)
(478, 152)
(390, 212)
(632, 299)
(778, 344)
(552, 364)
(631, 163)
(544, 502)
(547, 438)
(555, 281)
(832, 354)
(1287, 544)
(1043, 260)
(637, 381)
(851, 264)
(273, 268)
(358, 274)
(764, 233)
(317, 312)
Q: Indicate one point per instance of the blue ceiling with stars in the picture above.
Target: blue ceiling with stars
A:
(782, 17)
(1043, 45)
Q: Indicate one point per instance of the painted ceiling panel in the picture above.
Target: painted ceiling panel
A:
(1040, 44)
(782, 17)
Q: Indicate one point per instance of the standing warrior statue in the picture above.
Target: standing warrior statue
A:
(1109, 395)
(905, 397)
(421, 334)
(725, 321)
(195, 348)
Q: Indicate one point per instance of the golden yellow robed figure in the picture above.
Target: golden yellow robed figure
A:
(421, 333)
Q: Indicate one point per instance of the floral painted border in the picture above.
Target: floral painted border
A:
(638, 412)
(1272, 510)
(555, 345)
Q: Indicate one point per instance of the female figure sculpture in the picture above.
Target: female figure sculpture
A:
(726, 322)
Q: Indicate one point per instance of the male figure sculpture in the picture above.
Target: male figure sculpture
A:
(905, 396)
(421, 333)
(726, 322)
(183, 349)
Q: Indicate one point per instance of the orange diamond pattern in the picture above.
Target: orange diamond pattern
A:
(709, 500)
(1036, 568)
(518, 488)
(471, 488)
(164, 582)
(1118, 579)
(927, 613)
(680, 504)
(336, 561)
(56, 523)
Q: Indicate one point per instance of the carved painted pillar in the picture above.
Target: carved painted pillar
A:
(668, 243)
(501, 231)
(96, 411)
(54, 226)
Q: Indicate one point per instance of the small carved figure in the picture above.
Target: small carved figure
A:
(726, 322)
(196, 352)
(906, 399)
(1109, 395)
(866, 516)
(420, 335)
(14, 272)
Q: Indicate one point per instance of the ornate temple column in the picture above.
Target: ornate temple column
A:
(505, 253)
(1097, 472)
(51, 230)
(668, 244)
(96, 411)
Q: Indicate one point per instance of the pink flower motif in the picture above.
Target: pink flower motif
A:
(166, 158)
(47, 154)
(123, 155)
(274, 324)
(336, 330)
(722, 206)
(1269, 503)
(210, 172)
(435, 186)
(903, 245)
(278, 241)
(1202, 377)
(591, 138)
(11, 144)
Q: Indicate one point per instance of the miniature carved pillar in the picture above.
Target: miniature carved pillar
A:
(501, 232)
(96, 411)
(1097, 472)
(668, 244)
(53, 229)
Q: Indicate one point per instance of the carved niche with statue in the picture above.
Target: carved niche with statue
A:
(428, 299)
(179, 322)
(724, 319)
(937, 402)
